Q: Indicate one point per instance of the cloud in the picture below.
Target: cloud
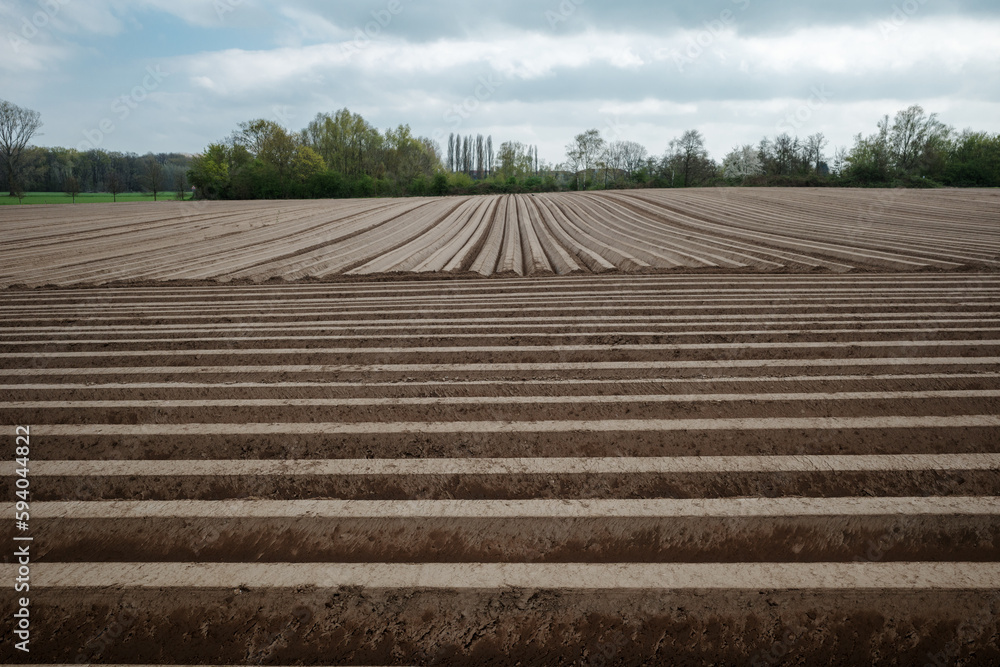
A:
(736, 69)
(304, 26)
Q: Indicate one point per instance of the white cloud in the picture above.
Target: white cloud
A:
(955, 42)
(739, 84)
(524, 56)
(528, 56)
(307, 26)
(648, 107)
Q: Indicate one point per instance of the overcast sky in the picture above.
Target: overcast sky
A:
(175, 75)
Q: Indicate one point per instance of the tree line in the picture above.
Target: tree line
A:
(341, 154)
(911, 149)
(337, 155)
(916, 146)
(27, 168)
(52, 169)
(475, 157)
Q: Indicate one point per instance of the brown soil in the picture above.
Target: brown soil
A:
(687, 365)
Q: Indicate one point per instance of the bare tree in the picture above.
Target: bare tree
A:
(17, 127)
(584, 152)
(765, 154)
(814, 149)
(153, 176)
(480, 156)
(688, 156)
(617, 158)
(17, 190)
(72, 188)
(633, 157)
(839, 160)
(785, 150)
(114, 186)
(914, 134)
(180, 183)
(574, 158)
(614, 154)
(490, 155)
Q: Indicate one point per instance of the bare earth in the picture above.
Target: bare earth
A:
(769, 435)
(723, 230)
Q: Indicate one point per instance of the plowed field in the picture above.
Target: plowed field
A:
(725, 230)
(761, 464)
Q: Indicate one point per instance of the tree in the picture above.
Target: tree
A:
(574, 159)
(633, 158)
(409, 158)
(209, 173)
(306, 163)
(72, 188)
(974, 160)
(613, 159)
(153, 176)
(742, 162)
(814, 149)
(180, 185)
(515, 160)
(913, 145)
(584, 152)
(870, 160)
(688, 158)
(480, 157)
(274, 149)
(257, 136)
(914, 138)
(440, 184)
(349, 144)
(840, 160)
(785, 150)
(17, 190)
(17, 127)
(115, 186)
(765, 155)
